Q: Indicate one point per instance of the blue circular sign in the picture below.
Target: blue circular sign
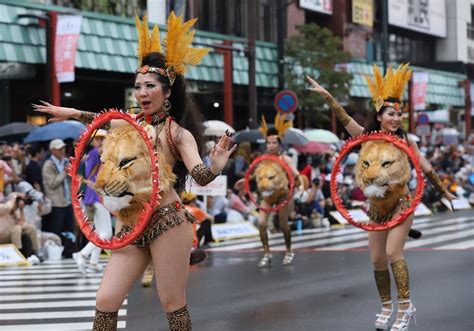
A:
(422, 119)
(286, 101)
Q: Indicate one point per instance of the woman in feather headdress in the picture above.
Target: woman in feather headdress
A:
(166, 106)
(387, 246)
(264, 174)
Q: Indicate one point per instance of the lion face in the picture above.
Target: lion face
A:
(271, 178)
(124, 178)
(381, 168)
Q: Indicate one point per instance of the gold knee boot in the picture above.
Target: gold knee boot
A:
(382, 280)
(105, 321)
(179, 320)
(400, 273)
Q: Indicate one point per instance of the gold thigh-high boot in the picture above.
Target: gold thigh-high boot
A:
(179, 320)
(400, 273)
(105, 321)
(382, 280)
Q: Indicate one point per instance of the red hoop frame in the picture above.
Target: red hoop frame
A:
(148, 208)
(288, 172)
(400, 144)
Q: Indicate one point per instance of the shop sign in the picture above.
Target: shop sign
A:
(363, 12)
(426, 16)
(321, 6)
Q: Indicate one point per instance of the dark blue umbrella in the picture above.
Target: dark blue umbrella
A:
(61, 130)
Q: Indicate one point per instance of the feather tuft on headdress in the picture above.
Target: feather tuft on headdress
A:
(177, 43)
(390, 86)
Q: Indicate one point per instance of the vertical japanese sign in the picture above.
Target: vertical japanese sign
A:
(418, 89)
(68, 29)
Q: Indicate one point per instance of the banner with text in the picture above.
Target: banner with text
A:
(68, 29)
(418, 89)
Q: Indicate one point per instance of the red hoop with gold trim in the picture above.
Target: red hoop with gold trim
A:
(400, 144)
(285, 167)
(148, 208)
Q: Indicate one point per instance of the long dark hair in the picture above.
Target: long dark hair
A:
(183, 109)
(373, 124)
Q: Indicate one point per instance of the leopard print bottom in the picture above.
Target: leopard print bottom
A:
(161, 220)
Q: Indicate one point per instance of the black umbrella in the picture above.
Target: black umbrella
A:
(16, 128)
(292, 136)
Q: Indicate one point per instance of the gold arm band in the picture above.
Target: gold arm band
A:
(87, 117)
(436, 181)
(340, 112)
(202, 174)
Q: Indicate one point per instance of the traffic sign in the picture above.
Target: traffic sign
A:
(422, 119)
(286, 101)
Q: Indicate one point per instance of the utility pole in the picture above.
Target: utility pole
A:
(251, 27)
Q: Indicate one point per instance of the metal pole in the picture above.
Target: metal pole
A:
(251, 24)
(467, 107)
(384, 35)
(281, 25)
(411, 110)
(228, 84)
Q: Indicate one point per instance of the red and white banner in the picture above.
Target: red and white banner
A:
(418, 90)
(68, 28)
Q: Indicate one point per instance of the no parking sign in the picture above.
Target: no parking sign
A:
(286, 101)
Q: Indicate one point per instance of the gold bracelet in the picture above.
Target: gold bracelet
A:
(202, 174)
(87, 117)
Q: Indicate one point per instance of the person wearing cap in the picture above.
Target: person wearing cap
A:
(57, 189)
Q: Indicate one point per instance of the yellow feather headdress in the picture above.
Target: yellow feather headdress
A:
(177, 46)
(390, 86)
(281, 125)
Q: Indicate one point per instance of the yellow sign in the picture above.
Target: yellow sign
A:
(363, 12)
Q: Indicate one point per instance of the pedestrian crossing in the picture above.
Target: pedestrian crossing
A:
(50, 296)
(445, 233)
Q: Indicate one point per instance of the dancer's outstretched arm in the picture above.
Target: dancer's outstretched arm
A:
(348, 122)
(64, 113)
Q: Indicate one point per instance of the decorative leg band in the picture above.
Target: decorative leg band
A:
(179, 320)
(382, 280)
(400, 273)
(105, 321)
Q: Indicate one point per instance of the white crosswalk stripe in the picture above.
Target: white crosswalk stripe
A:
(49, 296)
(437, 234)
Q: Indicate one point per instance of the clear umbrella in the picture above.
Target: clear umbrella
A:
(321, 136)
(217, 128)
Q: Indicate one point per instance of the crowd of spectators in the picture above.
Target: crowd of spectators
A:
(35, 197)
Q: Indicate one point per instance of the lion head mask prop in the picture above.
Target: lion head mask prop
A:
(382, 172)
(124, 178)
(272, 181)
